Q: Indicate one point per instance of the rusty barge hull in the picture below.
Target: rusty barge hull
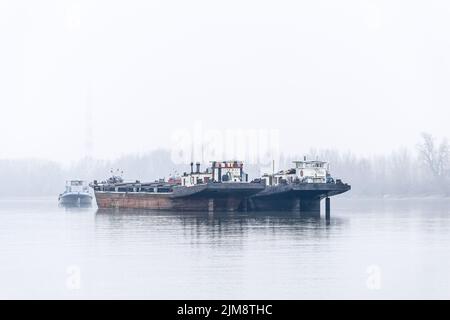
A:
(303, 197)
(206, 197)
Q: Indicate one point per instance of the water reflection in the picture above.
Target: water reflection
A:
(76, 208)
(219, 224)
(254, 255)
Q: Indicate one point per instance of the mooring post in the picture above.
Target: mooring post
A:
(327, 208)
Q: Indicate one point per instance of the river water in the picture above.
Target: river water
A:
(369, 249)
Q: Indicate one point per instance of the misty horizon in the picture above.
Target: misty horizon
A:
(238, 150)
(422, 172)
(148, 87)
(103, 79)
(294, 154)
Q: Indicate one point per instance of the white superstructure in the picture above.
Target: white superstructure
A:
(305, 171)
(220, 171)
(76, 186)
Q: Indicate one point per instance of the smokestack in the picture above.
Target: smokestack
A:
(198, 167)
(192, 167)
(304, 158)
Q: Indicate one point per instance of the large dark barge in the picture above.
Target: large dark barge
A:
(225, 187)
(298, 189)
(302, 197)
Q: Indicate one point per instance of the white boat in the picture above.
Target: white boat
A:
(77, 193)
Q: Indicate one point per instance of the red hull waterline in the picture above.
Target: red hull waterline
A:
(213, 197)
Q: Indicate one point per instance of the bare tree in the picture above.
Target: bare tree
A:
(398, 174)
(436, 158)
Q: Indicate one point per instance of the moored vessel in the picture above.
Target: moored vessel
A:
(221, 187)
(76, 194)
(300, 188)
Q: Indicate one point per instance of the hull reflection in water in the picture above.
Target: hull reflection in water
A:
(211, 224)
(139, 254)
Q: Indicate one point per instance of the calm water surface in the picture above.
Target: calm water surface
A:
(369, 249)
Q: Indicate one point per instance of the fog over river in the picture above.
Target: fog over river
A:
(369, 249)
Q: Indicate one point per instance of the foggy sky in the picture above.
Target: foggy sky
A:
(366, 76)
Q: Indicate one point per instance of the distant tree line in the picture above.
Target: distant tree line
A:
(32, 177)
(421, 171)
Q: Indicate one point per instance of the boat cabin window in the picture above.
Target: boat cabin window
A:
(303, 165)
